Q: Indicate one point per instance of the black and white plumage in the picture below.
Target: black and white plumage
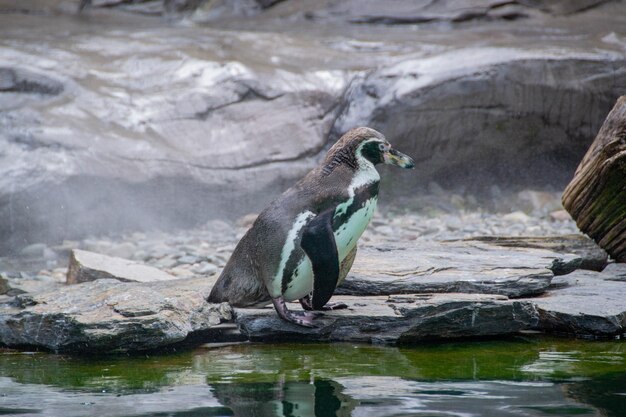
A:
(303, 244)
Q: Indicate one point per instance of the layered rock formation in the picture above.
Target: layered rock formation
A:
(469, 278)
(124, 122)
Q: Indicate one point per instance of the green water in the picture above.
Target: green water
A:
(521, 377)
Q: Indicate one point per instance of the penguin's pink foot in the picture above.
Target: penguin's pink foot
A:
(301, 318)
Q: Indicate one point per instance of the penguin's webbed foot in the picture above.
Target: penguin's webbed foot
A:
(307, 304)
(301, 318)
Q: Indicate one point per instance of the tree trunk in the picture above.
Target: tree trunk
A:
(596, 196)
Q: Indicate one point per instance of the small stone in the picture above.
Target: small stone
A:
(517, 217)
(205, 268)
(36, 250)
(385, 230)
(124, 250)
(436, 189)
(247, 220)
(539, 200)
(453, 223)
(181, 271)
(49, 254)
(140, 255)
(560, 216)
(188, 259)
(166, 263)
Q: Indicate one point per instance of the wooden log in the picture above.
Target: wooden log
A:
(596, 196)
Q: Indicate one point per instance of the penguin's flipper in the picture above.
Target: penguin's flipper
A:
(318, 242)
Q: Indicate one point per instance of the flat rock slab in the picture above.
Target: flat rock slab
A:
(468, 266)
(397, 319)
(109, 315)
(586, 304)
(592, 256)
(89, 266)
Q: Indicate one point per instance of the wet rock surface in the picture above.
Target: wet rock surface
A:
(111, 316)
(164, 121)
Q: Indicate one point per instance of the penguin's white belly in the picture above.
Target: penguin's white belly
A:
(347, 235)
(346, 238)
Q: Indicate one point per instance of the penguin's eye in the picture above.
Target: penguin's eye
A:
(381, 147)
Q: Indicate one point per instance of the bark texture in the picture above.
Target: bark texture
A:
(596, 196)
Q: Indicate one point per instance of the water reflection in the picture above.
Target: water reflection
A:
(286, 399)
(516, 378)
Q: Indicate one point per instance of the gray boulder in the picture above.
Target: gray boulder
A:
(586, 304)
(89, 266)
(112, 316)
(489, 115)
(175, 160)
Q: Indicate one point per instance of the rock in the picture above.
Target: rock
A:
(124, 250)
(247, 220)
(188, 260)
(108, 315)
(532, 200)
(88, 266)
(590, 255)
(163, 149)
(397, 319)
(560, 215)
(240, 120)
(35, 250)
(167, 263)
(586, 304)
(20, 80)
(455, 266)
(400, 12)
(430, 106)
(516, 217)
(206, 268)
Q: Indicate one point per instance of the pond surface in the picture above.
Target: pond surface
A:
(521, 377)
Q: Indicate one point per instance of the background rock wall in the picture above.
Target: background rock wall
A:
(113, 121)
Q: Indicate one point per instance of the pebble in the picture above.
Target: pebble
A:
(516, 217)
(35, 250)
(124, 250)
(188, 259)
(205, 268)
(164, 263)
(560, 216)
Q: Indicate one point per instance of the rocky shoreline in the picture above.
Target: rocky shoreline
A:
(418, 276)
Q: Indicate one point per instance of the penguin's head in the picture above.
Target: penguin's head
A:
(363, 145)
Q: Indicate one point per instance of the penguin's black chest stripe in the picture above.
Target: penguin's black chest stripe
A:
(361, 196)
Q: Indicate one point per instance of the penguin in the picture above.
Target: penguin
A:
(304, 243)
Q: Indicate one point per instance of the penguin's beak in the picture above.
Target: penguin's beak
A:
(393, 157)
